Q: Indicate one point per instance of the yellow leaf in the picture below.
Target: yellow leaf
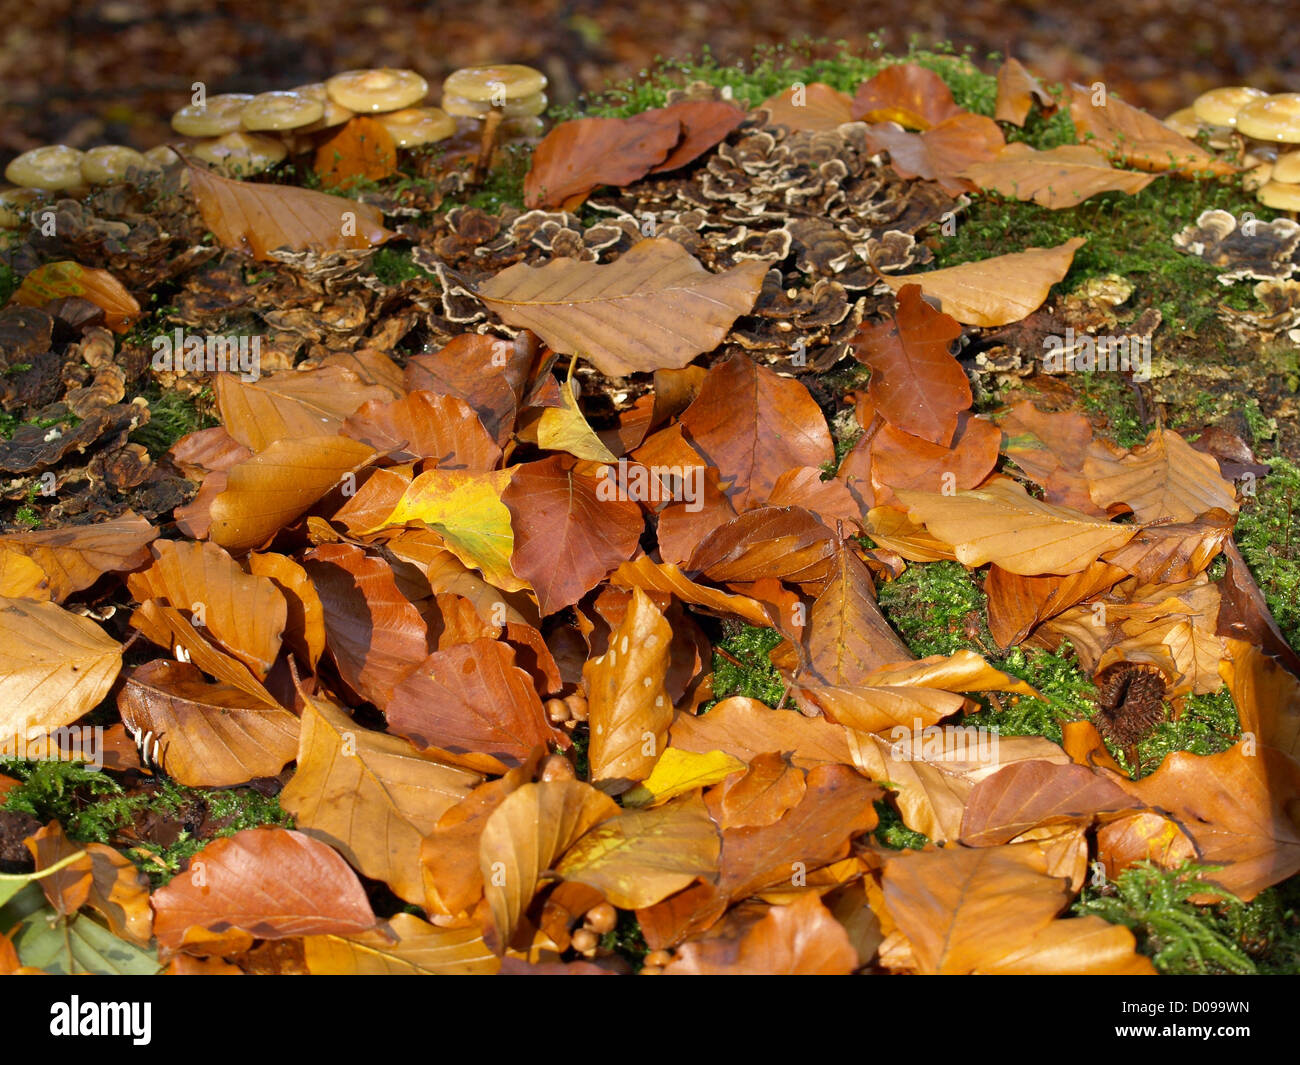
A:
(565, 429)
(643, 856)
(465, 509)
(678, 772)
(401, 946)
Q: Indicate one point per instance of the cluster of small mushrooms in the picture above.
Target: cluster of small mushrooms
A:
(238, 134)
(1263, 129)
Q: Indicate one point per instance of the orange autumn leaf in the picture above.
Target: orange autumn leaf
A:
(363, 150)
(60, 280)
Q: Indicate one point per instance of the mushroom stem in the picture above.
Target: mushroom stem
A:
(487, 142)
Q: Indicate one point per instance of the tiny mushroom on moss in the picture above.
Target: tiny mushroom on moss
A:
(414, 126)
(493, 93)
(111, 163)
(369, 92)
(55, 166)
(1219, 107)
(237, 154)
(1184, 123)
(217, 116)
(1272, 119)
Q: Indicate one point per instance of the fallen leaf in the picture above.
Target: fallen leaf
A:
(915, 382)
(363, 150)
(370, 795)
(1163, 478)
(578, 308)
(678, 772)
(642, 856)
(567, 536)
(1002, 523)
(73, 557)
(401, 946)
(1017, 91)
(424, 425)
(907, 94)
(1063, 176)
(271, 883)
(815, 106)
(59, 280)
(801, 939)
(54, 667)
(524, 837)
(1027, 795)
(581, 154)
(995, 291)
(943, 153)
(745, 728)
(209, 735)
(258, 218)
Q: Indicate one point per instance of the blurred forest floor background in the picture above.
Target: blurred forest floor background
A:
(84, 73)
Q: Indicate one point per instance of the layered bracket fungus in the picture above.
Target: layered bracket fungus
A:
(493, 95)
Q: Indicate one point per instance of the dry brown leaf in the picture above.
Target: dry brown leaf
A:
(1063, 176)
(629, 709)
(242, 614)
(269, 882)
(1164, 478)
(654, 308)
(1017, 91)
(650, 576)
(801, 939)
(745, 728)
(1266, 696)
(1080, 946)
(363, 150)
(54, 667)
(402, 946)
(61, 280)
(524, 837)
(815, 106)
(370, 795)
(642, 856)
(304, 629)
(424, 425)
(279, 485)
(208, 735)
(1002, 523)
(761, 795)
(258, 218)
(1028, 795)
(780, 543)
(75, 556)
(905, 93)
(995, 291)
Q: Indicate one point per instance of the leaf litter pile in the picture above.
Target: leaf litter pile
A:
(452, 585)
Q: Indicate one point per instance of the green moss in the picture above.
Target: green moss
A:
(773, 69)
(755, 677)
(9, 282)
(1125, 235)
(1269, 540)
(503, 186)
(1111, 396)
(394, 265)
(937, 608)
(171, 416)
(1182, 938)
(1207, 725)
(627, 940)
(93, 809)
(892, 832)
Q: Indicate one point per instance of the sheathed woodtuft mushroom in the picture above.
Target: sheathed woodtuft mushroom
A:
(55, 166)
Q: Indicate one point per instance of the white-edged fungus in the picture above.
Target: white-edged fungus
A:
(55, 166)
(369, 92)
(218, 116)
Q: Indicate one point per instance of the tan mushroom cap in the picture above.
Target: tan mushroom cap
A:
(164, 155)
(1274, 118)
(55, 166)
(1287, 168)
(109, 164)
(1280, 195)
(218, 116)
(241, 153)
(1184, 122)
(280, 111)
(1219, 107)
(526, 127)
(335, 113)
(491, 83)
(14, 203)
(524, 107)
(380, 89)
(418, 125)
(1259, 175)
